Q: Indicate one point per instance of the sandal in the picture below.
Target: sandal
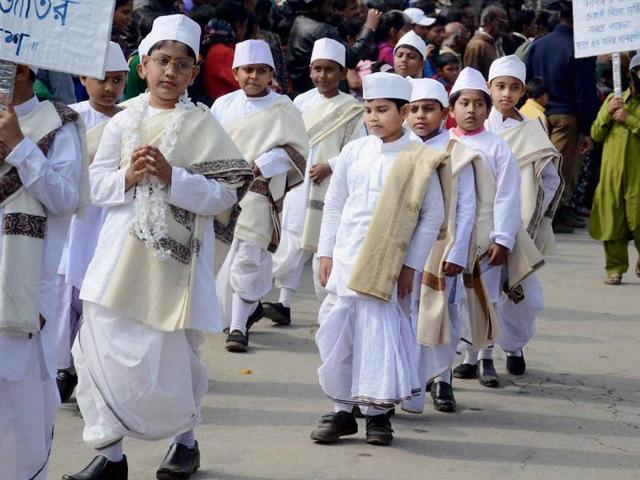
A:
(615, 279)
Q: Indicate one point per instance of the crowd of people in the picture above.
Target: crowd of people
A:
(421, 155)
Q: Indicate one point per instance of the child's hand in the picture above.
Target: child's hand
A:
(318, 173)
(452, 269)
(497, 254)
(615, 104)
(157, 165)
(620, 115)
(326, 265)
(10, 132)
(137, 171)
(405, 281)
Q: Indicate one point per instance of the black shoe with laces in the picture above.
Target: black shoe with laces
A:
(66, 382)
(516, 365)
(102, 469)
(442, 396)
(237, 341)
(333, 426)
(179, 462)
(278, 313)
(487, 374)
(466, 371)
(379, 431)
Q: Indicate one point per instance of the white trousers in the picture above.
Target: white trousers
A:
(68, 324)
(28, 409)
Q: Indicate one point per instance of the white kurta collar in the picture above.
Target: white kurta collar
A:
(391, 146)
(498, 122)
(26, 107)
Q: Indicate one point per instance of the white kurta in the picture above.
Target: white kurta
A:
(28, 393)
(132, 379)
(366, 345)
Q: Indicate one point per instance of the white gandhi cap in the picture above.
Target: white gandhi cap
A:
(178, 28)
(329, 49)
(509, 66)
(386, 85)
(115, 61)
(470, 79)
(429, 89)
(253, 52)
(412, 39)
(418, 17)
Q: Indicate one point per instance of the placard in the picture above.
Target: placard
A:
(605, 26)
(63, 35)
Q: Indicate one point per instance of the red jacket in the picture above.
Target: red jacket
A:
(218, 75)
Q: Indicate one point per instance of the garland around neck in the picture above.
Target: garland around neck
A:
(150, 196)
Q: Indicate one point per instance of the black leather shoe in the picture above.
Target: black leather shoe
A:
(516, 365)
(102, 469)
(466, 371)
(256, 316)
(443, 399)
(179, 462)
(66, 382)
(278, 313)
(237, 341)
(379, 431)
(333, 426)
(487, 374)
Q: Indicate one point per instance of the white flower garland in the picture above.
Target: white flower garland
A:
(151, 195)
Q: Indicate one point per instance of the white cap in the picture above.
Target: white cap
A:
(386, 85)
(252, 52)
(470, 79)
(418, 17)
(329, 49)
(115, 61)
(429, 89)
(635, 62)
(33, 69)
(509, 66)
(178, 28)
(412, 39)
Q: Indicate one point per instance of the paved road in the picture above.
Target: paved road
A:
(575, 415)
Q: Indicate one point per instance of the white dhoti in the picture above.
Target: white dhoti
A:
(366, 349)
(28, 409)
(134, 380)
(70, 316)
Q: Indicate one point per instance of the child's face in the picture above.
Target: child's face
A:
(543, 100)
(407, 62)
(506, 92)
(105, 93)
(425, 117)
(122, 16)
(254, 79)
(383, 119)
(169, 70)
(450, 72)
(326, 75)
(470, 110)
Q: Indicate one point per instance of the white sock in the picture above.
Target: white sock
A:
(286, 296)
(486, 353)
(444, 377)
(342, 407)
(187, 439)
(240, 311)
(517, 353)
(113, 453)
(471, 357)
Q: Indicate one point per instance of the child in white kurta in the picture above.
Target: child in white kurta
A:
(517, 320)
(85, 228)
(50, 171)
(366, 344)
(332, 119)
(428, 111)
(498, 221)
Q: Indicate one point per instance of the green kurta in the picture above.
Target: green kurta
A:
(616, 205)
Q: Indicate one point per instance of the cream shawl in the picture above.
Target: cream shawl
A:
(534, 151)
(330, 127)
(158, 293)
(383, 251)
(23, 225)
(280, 125)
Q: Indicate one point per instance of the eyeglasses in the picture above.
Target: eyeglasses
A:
(181, 65)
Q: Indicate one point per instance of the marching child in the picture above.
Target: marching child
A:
(163, 170)
(365, 338)
(332, 120)
(270, 133)
(85, 227)
(409, 55)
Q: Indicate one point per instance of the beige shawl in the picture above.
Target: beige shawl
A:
(280, 125)
(159, 293)
(330, 127)
(383, 251)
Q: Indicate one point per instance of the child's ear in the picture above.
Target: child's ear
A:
(83, 80)
(404, 111)
(446, 111)
(235, 74)
(141, 68)
(343, 73)
(194, 75)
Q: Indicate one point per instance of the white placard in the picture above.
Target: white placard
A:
(605, 26)
(63, 35)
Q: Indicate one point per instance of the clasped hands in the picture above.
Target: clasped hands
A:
(148, 160)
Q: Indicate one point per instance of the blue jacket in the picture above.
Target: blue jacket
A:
(572, 81)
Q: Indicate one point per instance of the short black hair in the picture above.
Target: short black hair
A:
(445, 59)
(121, 3)
(392, 19)
(162, 43)
(536, 87)
(440, 21)
(408, 47)
(398, 102)
(523, 19)
(350, 28)
(454, 98)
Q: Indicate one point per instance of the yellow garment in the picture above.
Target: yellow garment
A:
(383, 251)
(533, 110)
